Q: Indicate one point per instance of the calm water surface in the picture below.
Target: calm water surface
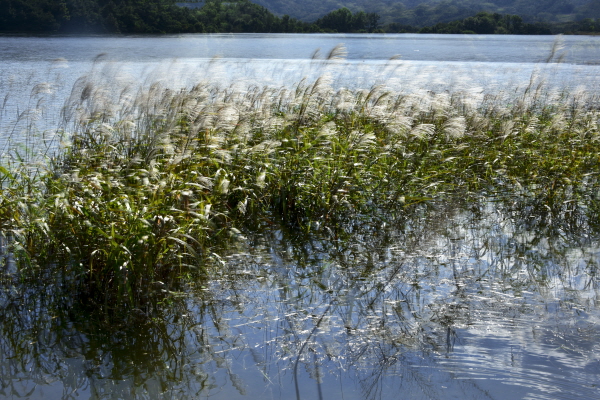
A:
(490, 300)
(415, 47)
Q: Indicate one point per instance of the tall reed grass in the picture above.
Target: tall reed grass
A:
(144, 190)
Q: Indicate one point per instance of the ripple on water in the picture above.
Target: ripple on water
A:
(531, 357)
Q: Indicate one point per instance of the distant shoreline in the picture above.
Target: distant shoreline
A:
(245, 16)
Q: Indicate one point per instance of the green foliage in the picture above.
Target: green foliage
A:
(245, 16)
(486, 23)
(164, 16)
(32, 15)
(584, 26)
(343, 20)
(422, 13)
(141, 16)
(142, 200)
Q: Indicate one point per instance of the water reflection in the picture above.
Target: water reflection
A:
(484, 299)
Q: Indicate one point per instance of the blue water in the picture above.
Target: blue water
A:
(364, 47)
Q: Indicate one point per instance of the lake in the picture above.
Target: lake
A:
(490, 298)
(38, 73)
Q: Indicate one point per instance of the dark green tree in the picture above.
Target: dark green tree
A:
(342, 20)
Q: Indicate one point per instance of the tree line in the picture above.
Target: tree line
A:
(487, 23)
(142, 16)
(424, 13)
(212, 16)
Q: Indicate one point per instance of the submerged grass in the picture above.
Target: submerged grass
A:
(142, 195)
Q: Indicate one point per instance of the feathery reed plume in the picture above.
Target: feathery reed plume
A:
(151, 179)
(557, 46)
(339, 52)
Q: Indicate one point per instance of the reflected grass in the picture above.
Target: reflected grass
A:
(366, 304)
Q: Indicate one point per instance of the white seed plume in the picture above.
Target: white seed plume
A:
(423, 130)
(455, 127)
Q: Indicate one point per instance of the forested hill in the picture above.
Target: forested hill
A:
(141, 16)
(422, 13)
(208, 16)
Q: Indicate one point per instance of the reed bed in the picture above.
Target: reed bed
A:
(145, 190)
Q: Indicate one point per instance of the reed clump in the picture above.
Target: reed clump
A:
(143, 192)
